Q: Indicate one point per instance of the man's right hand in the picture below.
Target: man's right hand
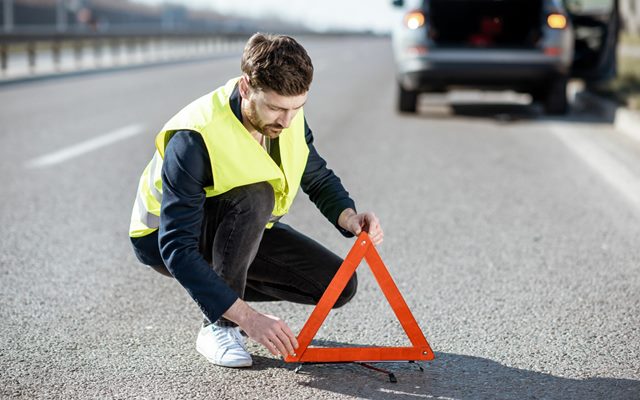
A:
(272, 333)
(269, 331)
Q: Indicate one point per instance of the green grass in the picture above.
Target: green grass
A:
(626, 38)
(628, 81)
(625, 88)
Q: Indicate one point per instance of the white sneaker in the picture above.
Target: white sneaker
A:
(223, 345)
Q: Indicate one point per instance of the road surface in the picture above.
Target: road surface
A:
(512, 236)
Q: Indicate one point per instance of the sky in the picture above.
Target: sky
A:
(375, 15)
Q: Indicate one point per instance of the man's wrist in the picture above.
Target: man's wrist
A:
(344, 217)
(239, 312)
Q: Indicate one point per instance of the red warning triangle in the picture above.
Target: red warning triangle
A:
(363, 248)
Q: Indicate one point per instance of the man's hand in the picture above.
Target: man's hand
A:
(269, 331)
(272, 333)
(366, 221)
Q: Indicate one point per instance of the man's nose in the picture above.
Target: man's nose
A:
(285, 118)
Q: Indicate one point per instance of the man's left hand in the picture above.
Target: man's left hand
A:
(356, 223)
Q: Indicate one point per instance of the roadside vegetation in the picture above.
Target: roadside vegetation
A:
(625, 89)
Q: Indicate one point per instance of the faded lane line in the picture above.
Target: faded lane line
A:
(85, 147)
(614, 172)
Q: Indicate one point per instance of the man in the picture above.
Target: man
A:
(226, 168)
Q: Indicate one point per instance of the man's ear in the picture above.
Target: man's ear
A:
(244, 87)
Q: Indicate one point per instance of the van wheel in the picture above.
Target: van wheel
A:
(555, 101)
(407, 100)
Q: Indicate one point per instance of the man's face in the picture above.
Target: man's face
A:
(267, 111)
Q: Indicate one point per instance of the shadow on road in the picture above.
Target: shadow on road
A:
(509, 112)
(498, 112)
(454, 376)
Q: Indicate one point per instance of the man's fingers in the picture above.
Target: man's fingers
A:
(377, 236)
(290, 335)
(272, 348)
(269, 346)
(372, 223)
(278, 337)
(281, 349)
(286, 341)
(375, 231)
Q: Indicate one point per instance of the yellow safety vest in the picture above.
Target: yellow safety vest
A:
(237, 159)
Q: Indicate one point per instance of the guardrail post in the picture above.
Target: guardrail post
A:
(144, 49)
(4, 53)
(130, 53)
(115, 51)
(97, 52)
(31, 56)
(55, 51)
(77, 52)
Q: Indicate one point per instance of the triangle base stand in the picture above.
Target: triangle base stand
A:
(391, 375)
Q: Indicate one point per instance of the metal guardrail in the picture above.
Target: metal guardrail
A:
(126, 30)
(29, 54)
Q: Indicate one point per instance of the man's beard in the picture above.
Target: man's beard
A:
(271, 131)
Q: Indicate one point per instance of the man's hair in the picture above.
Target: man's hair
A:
(278, 63)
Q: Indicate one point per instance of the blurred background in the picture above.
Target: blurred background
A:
(51, 36)
(213, 16)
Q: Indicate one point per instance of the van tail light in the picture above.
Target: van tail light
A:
(557, 21)
(553, 51)
(414, 19)
(417, 50)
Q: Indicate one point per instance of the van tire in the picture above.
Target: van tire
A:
(407, 100)
(555, 100)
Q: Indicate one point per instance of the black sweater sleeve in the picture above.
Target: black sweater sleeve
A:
(185, 172)
(323, 186)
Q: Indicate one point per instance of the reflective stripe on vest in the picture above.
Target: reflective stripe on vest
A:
(155, 177)
(150, 220)
(237, 159)
(145, 217)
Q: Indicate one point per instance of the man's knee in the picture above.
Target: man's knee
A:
(161, 269)
(259, 199)
(254, 201)
(348, 292)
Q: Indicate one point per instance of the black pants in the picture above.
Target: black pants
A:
(262, 264)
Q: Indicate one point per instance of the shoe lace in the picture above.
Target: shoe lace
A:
(230, 337)
(239, 338)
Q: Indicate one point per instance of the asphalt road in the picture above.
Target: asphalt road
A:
(512, 236)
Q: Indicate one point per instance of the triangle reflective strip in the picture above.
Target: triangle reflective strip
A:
(420, 349)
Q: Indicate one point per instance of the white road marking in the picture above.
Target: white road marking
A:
(417, 395)
(84, 147)
(613, 171)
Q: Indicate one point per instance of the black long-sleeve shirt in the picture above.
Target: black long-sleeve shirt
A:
(186, 171)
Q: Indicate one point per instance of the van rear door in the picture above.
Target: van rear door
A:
(596, 24)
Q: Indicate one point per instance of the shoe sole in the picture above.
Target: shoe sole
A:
(242, 364)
